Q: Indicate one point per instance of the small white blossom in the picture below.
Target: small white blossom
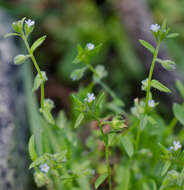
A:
(151, 103)
(176, 146)
(92, 172)
(154, 27)
(90, 46)
(73, 78)
(44, 168)
(90, 98)
(30, 22)
(64, 160)
(144, 84)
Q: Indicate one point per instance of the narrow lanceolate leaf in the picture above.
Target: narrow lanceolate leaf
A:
(37, 43)
(31, 147)
(147, 46)
(11, 34)
(100, 180)
(18, 25)
(39, 80)
(180, 87)
(167, 64)
(38, 161)
(79, 120)
(128, 145)
(78, 73)
(48, 116)
(156, 84)
(173, 35)
(179, 112)
(165, 168)
(46, 110)
(19, 59)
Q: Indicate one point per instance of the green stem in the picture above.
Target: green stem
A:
(150, 76)
(108, 166)
(106, 143)
(37, 68)
(138, 137)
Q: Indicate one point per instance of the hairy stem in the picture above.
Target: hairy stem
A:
(150, 76)
(108, 166)
(106, 143)
(37, 68)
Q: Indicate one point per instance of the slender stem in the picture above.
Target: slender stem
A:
(138, 137)
(106, 143)
(37, 68)
(101, 130)
(150, 76)
(108, 166)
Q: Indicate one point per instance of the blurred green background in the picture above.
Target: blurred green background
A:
(70, 22)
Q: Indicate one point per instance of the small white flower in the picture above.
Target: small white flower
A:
(90, 98)
(92, 172)
(64, 160)
(73, 78)
(44, 168)
(144, 84)
(30, 22)
(176, 146)
(151, 103)
(90, 46)
(154, 27)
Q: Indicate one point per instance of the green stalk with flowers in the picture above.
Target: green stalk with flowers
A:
(64, 163)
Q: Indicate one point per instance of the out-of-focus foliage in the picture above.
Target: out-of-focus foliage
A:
(69, 22)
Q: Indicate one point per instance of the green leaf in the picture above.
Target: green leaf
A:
(48, 116)
(156, 84)
(18, 26)
(128, 145)
(31, 148)
(180, 87)
(100, 180)
(61, 156)
(11, 34)
(78, 73)
(154, 186)
(179, 112)
(163, 149)
(165, 168)
(19, 59)
(167, 64)
(78, 104)
(100, 100)
(38, 161)
(81, 55)
(39, 80)
(147, 46)
(100, 73)
(143, 121)
(164, 25)
(46, 110)
(37, 43)
(173, 35)
(93, 52)
(79, 120)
